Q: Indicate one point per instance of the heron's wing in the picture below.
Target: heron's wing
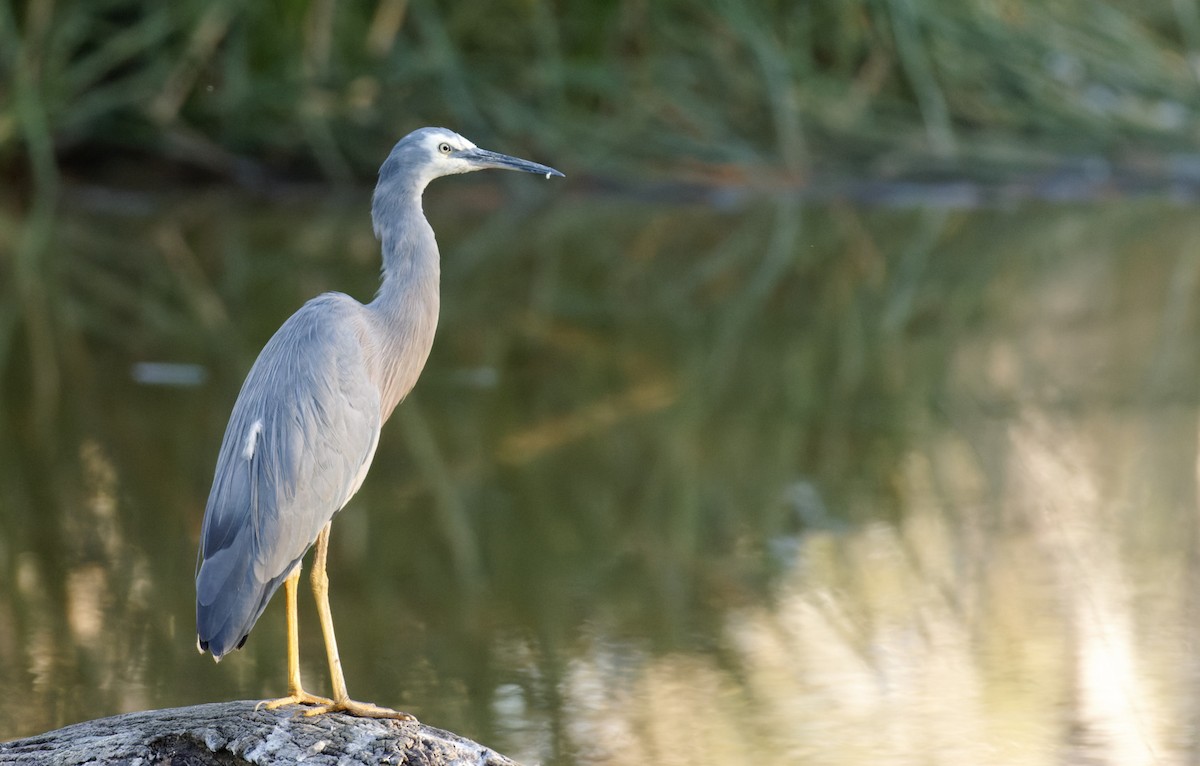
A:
(299, 441)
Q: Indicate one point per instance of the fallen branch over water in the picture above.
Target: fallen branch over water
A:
(234, 733)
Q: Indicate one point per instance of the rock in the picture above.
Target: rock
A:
(234, 733)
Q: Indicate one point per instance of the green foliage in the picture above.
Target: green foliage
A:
(670, 83)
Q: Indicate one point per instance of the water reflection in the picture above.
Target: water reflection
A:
(771, 485)
(948, 637)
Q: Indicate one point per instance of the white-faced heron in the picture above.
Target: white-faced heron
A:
(305, 425)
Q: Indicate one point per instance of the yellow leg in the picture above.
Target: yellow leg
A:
(296, 693)
(341, 700)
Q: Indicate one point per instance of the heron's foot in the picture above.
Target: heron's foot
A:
(360, 709)
(299, 697)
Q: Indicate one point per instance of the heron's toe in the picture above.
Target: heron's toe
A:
(360, 709)
(295, 698)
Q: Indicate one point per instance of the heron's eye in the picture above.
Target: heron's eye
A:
(444, 148)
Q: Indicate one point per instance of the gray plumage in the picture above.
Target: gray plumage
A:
(306, 423)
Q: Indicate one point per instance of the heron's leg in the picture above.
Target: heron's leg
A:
(320, 586)
(341, 700)
(296, 693)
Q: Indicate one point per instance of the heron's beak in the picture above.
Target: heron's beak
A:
(482, 158)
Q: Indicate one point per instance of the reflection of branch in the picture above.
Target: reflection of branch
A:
(235, 732)
(527, 445)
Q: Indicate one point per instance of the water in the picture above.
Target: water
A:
(762, 484)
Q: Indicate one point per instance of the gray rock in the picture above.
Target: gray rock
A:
(234, 733)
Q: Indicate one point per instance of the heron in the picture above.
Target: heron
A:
(306, 422)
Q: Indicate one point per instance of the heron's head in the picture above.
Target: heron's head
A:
(430, 153)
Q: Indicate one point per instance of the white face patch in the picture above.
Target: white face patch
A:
(457, 143)
(252, 440)
(441, 164)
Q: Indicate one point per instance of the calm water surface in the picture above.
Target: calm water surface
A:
(760, 484)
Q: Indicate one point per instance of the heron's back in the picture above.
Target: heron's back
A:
(299, 441)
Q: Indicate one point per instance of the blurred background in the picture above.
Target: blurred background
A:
(840, 406)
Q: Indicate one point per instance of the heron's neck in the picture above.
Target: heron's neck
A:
(411, 264)
(405, 310)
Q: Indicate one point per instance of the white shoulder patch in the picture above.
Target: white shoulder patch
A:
(252, 440)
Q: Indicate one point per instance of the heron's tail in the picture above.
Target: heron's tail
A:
(229, 599)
